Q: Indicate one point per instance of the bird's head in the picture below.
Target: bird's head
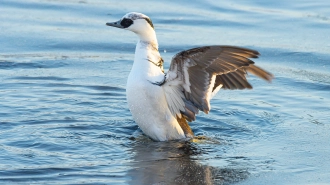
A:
(137, 23)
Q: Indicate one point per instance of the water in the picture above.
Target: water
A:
(63, 112)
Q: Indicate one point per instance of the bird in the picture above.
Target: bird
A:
(161, 103)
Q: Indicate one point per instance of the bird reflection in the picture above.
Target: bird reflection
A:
(176, 162)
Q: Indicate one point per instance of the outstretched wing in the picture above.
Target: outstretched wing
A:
(195, 75)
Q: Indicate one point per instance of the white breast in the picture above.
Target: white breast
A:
(147, 101)
(149, 109)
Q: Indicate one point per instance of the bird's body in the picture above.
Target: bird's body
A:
(162, 103)
(147, 101)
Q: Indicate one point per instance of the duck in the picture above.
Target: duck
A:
(162, 104)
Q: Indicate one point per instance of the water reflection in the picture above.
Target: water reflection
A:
(176, 162)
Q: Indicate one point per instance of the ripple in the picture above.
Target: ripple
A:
(47, 78)
(9, 65)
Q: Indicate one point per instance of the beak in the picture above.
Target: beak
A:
(115, 24)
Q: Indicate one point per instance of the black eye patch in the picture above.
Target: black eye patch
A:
(126, 22)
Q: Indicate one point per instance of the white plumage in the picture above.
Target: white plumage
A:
(161, 104)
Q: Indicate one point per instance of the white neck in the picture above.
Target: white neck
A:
(149, 36)
(146, 56)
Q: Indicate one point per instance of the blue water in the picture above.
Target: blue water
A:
(63, 112)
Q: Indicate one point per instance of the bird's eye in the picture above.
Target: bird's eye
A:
(126, 22)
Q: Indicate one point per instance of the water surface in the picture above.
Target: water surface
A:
(63, 112)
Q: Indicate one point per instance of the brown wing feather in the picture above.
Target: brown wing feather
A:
(185, 127)
(197, 67)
